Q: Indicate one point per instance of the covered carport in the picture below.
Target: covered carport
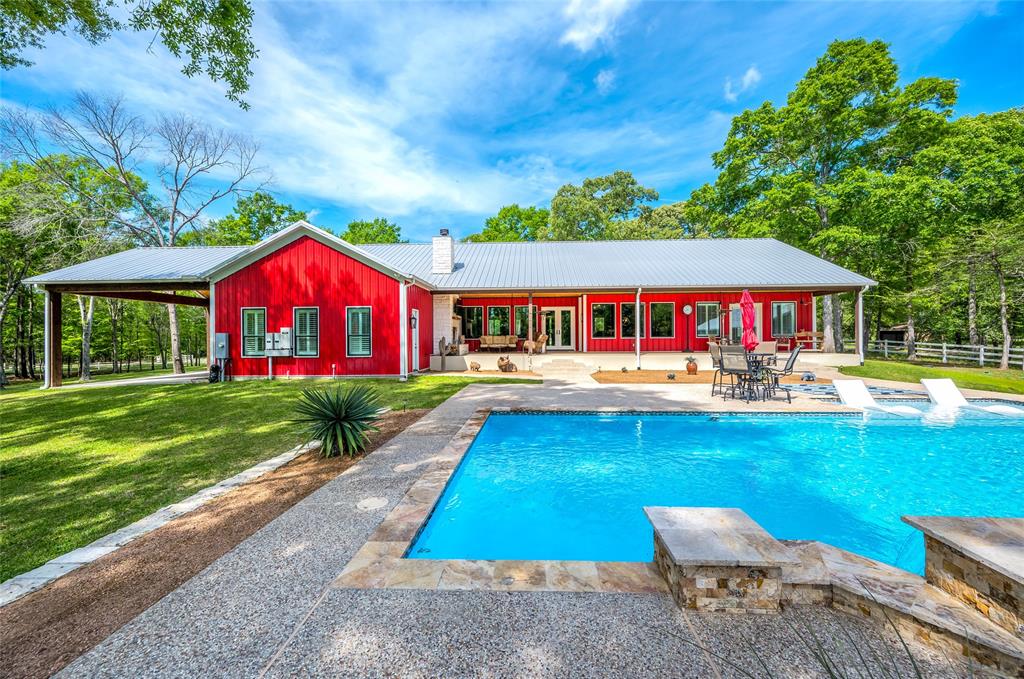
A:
(179, 276)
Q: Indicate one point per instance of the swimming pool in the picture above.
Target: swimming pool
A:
(572, 486)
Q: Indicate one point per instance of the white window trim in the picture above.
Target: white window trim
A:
(241, 331)
(650, 310)
(615, 320)
(295, 331)
(696, 323)
(487, 318)
(370, 309)
(643, 326)
(771, 318)
(515, 308)
(483, 319)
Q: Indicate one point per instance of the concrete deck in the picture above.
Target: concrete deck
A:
(267, 608)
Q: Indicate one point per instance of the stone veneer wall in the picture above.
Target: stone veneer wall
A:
(992, 594)
(720, 588)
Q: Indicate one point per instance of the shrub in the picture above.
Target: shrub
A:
(341, 419)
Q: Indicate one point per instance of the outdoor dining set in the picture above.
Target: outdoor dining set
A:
(752, 375)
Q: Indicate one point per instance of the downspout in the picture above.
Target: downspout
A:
(403, 328)
(860, 324)
(636, 325)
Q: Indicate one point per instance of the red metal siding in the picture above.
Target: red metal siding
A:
(308, 273)
(685, 333)
(420, 299)
(513, 301)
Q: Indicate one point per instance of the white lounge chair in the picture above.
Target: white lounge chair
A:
(854, 394)
(944, 394)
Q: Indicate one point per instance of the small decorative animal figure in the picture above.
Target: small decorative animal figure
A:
(474, 366)
(807, 377)
(506, 365)
(671, 376)
(625, 369)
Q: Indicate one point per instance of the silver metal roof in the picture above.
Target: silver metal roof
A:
(149, 265)
(587, 265)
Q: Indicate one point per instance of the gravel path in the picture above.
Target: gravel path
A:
(266, 607)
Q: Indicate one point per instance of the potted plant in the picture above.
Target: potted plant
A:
(691, 365)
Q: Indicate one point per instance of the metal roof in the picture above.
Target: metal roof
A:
(149, 265)
(725, 263)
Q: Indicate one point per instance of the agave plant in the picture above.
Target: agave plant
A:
(341, 419)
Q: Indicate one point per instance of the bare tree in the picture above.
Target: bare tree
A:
(194, 166)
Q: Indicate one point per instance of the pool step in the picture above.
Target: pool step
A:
(891, 596)
(563, 369)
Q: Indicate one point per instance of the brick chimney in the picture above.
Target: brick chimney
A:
(444, 253)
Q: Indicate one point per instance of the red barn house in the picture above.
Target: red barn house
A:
(304, 303)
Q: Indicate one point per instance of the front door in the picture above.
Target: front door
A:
(560, 326)
(415, 322)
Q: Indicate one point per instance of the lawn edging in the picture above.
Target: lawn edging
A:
(25, 583)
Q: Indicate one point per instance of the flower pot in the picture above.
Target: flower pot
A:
(691, 367)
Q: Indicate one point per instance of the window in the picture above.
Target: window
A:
(254, 331)
(602, 321)
(472, 322)
(357, 323)
(523, 322)
(736, 322)
(783, 319)
(663, 321)
(708, 318)
(497, 320)
(626, 325)
(307, 331)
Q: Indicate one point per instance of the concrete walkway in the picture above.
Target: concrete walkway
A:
(186, 378)
(267, 609)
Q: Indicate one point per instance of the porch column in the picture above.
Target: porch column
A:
(53, 358)
(403, 329)
(814, 321)
(859, 329)
(529, 317)
(583, 322)
(636, 326)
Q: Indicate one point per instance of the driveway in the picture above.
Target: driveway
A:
(267, 609)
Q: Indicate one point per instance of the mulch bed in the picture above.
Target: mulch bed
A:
(46, 630)
(661, 377)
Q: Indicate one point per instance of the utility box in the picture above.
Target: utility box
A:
(279, 343)
(220, 346)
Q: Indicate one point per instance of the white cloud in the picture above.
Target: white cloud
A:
(591, 21)
(605, 81)
(750, 79)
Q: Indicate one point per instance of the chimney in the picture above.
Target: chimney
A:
(444, 253)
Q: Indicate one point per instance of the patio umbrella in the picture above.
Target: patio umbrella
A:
(747, 311)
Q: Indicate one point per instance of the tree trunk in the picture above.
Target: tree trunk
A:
(972, 304)
(828, 339)
(1004, 322)
(31, 336)
(20, 358)
(911, 334)
(114, 308)
(837, 323)
(3, 358)
(85, 312)
(172, 318)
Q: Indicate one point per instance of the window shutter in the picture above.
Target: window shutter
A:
(359, 332)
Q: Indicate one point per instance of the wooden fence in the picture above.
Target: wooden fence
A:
(942, 352)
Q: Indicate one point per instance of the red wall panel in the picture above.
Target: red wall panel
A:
(308, 273)
(421, 299)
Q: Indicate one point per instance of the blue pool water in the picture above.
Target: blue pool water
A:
(546, 486)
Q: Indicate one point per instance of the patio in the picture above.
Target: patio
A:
(268, 608)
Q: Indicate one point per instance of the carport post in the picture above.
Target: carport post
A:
(52, 355)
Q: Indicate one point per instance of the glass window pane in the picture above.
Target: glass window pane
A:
(627, 328)
(602, 321)
(783, 319)
(497, 320)
(662, 319)
(472, 322)
(708, 319)
(523, 322)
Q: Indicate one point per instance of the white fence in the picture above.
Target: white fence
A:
(948, 353)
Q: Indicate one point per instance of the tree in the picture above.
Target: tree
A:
(587, 211)
(255, 217)
(213, 35)
(513, 223)
(378, 230)
(786, 172)
(196, 166)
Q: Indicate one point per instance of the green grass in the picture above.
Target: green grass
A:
(991, 379)
(77, 464)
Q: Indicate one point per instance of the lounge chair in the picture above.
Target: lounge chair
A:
(854, 394)
(944, 394)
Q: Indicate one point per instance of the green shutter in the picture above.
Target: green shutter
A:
(359, 331)
(307, 332)
(254, 328)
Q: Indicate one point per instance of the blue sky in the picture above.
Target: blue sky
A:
(436, 115)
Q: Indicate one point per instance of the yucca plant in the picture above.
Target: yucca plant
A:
(341, 419)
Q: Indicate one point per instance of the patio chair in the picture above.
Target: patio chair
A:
(776, 374)
(735, 365)
(717, 379)
(944, 394)
(854, 394)
(770, 349)
(537, 345)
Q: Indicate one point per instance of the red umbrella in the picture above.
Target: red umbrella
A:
(747, 310)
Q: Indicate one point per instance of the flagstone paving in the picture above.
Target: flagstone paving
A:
(268, 607)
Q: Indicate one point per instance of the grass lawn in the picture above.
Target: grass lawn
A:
(80, 463)
(1008, 381)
